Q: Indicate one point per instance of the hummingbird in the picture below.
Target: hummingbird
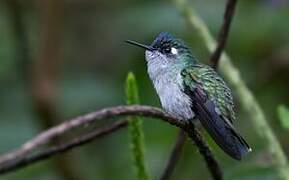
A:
(191, 91)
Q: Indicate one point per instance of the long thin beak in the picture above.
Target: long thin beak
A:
(140, 45)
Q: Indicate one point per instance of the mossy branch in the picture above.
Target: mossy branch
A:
(135, 128)
(243, 94)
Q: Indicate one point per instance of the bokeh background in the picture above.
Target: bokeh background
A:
(62, 58)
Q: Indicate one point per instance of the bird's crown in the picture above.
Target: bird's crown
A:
(165, 41)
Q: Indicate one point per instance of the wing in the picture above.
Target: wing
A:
(216, 124)
(214, 86)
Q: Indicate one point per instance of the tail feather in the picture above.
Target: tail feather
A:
(221, 130)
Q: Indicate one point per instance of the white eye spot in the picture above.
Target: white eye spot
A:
(174, 50)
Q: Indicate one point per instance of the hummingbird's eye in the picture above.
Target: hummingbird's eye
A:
(167, 50)
(170, 50)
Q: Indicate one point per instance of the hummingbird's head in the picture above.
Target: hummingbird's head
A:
(166, 50)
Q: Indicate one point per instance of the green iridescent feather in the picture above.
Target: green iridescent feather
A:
(213, 85)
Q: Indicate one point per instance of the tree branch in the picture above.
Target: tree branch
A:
(223, 32)
(174, 156)
(62, 128)
(137, 110)
(204, 149)
(61, 148)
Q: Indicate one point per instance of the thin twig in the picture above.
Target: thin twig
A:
(223, 32)
(204, 149)
(106, 113)
(57, 149)
(62, 128)
(174, 156)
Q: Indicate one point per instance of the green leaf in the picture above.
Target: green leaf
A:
(135, 128)
(283, 113)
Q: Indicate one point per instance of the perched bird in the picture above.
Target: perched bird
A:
(191, 90)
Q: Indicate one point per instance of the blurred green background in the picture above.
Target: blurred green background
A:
(62, 58)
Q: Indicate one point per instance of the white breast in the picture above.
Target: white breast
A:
(168, 84)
